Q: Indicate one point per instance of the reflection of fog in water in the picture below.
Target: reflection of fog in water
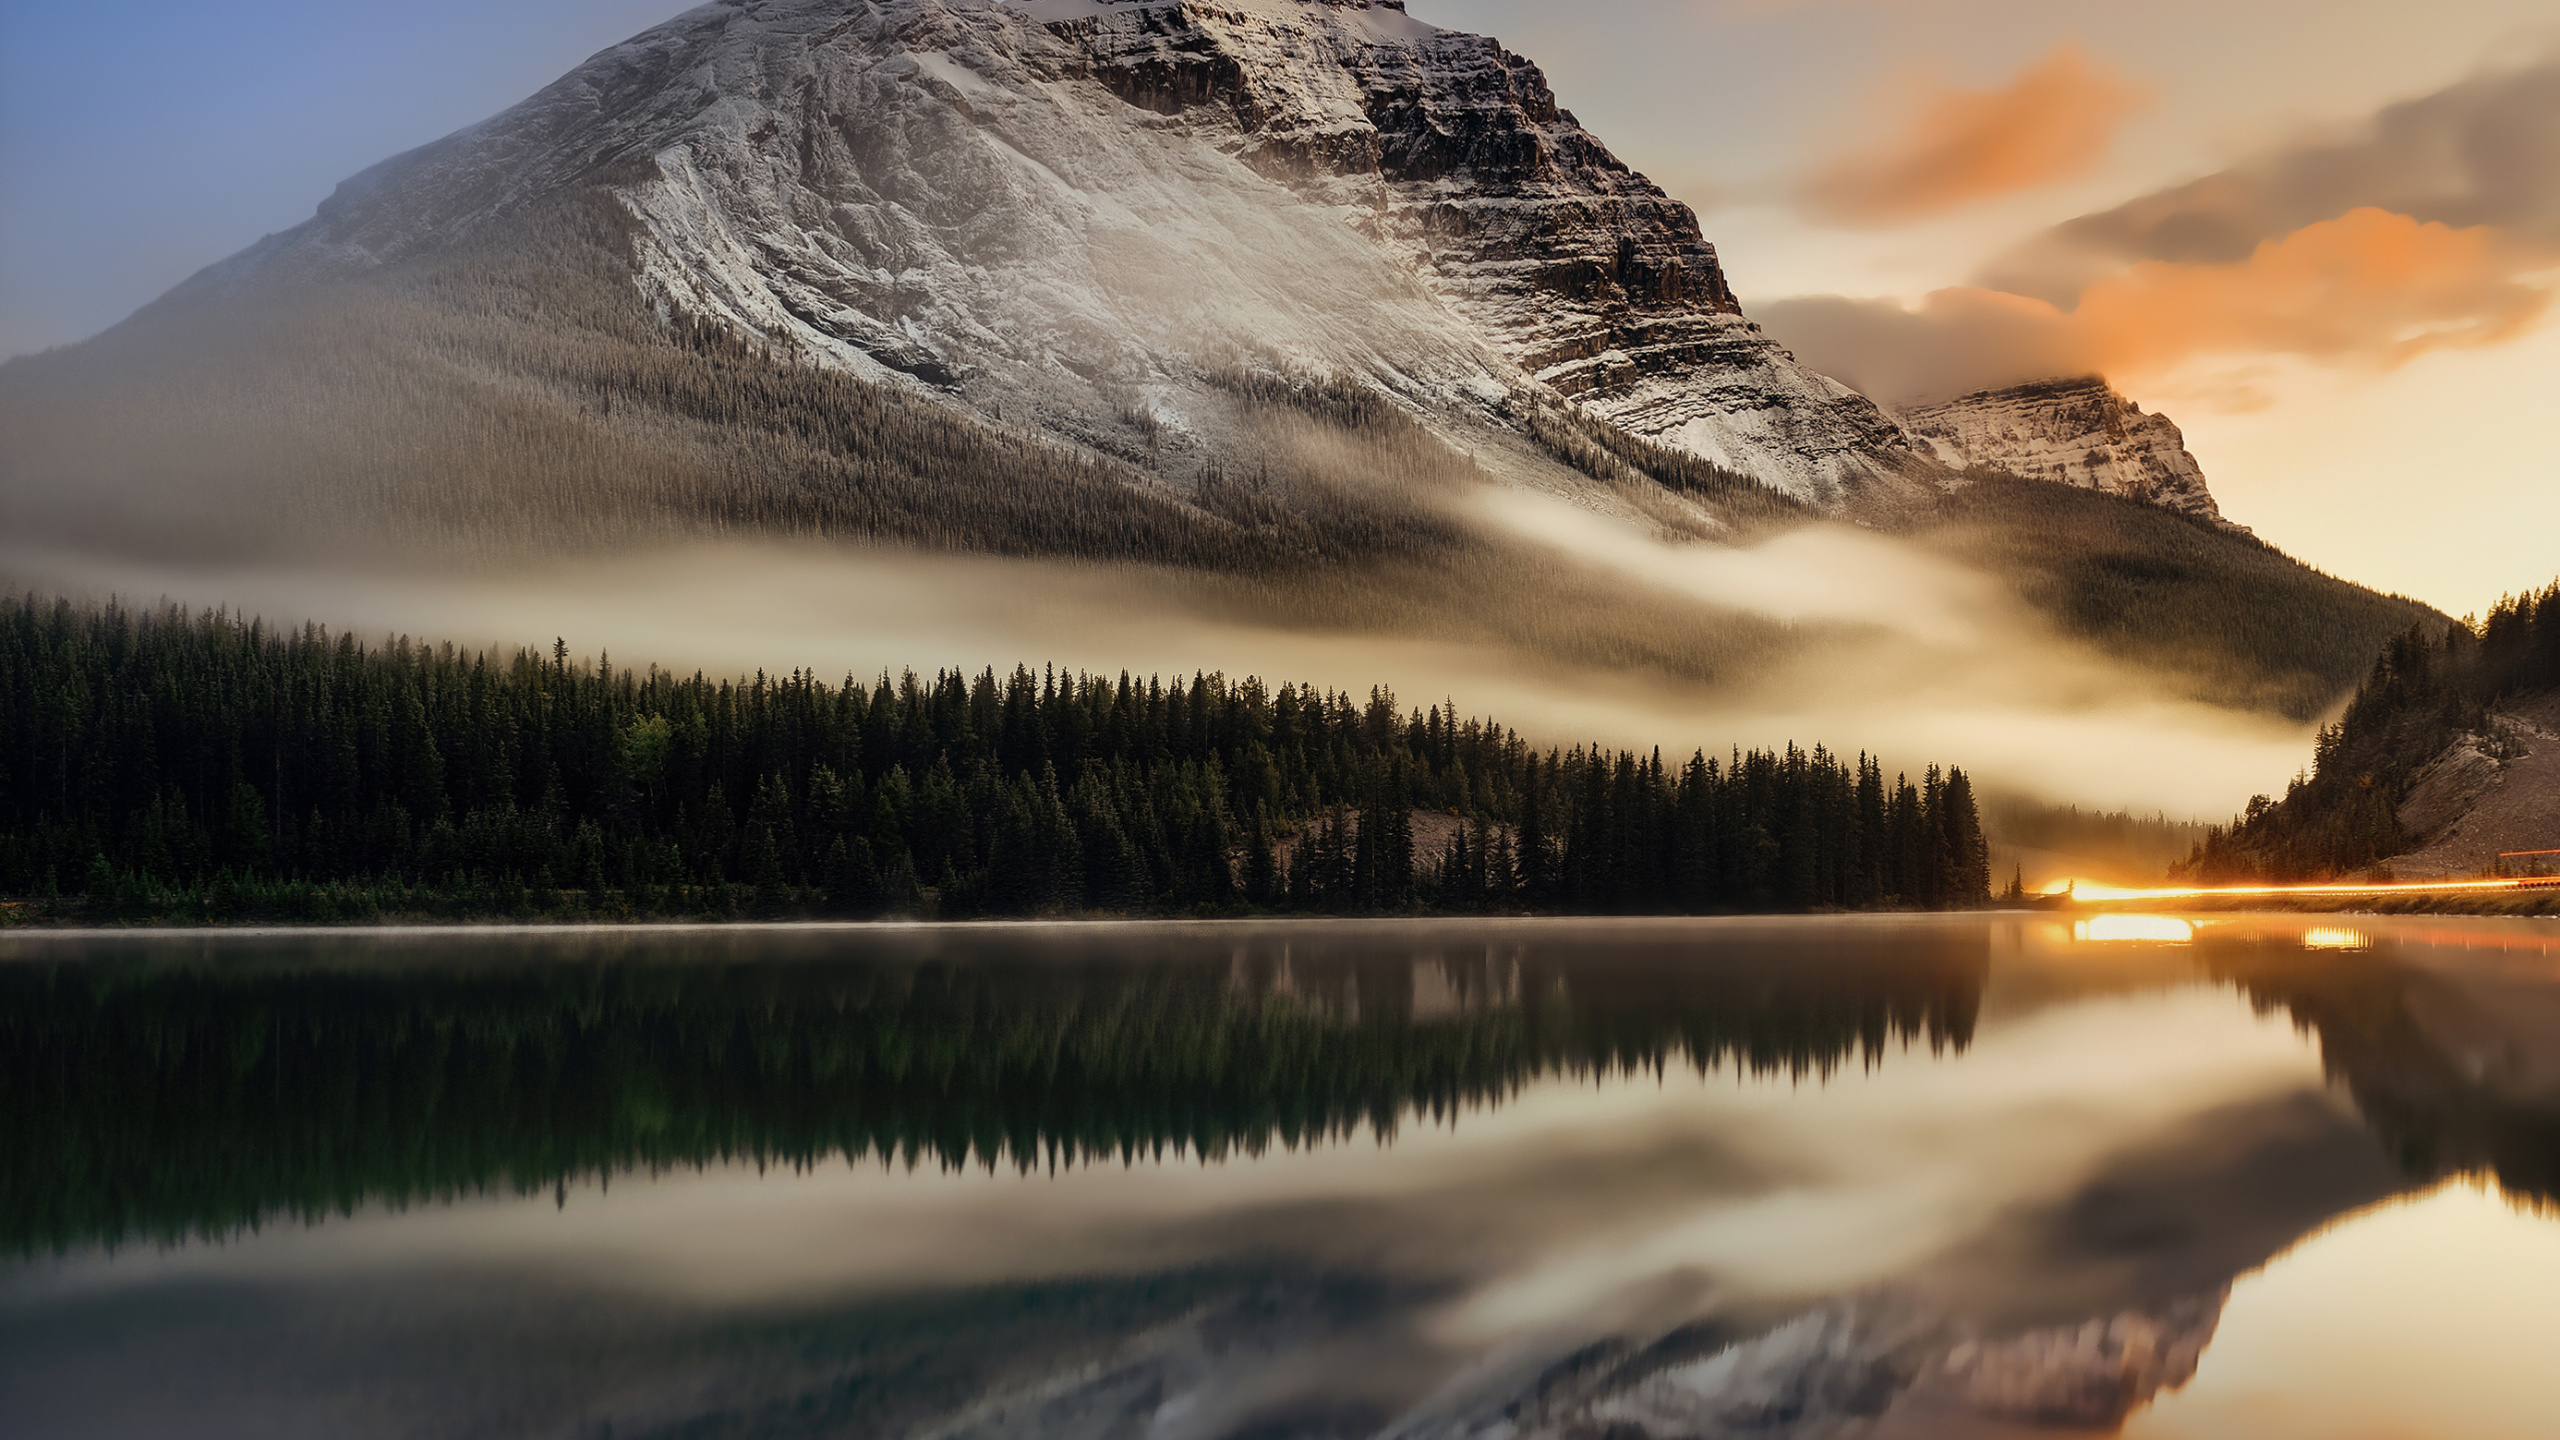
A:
(1671, 1179)
(2428, 1317)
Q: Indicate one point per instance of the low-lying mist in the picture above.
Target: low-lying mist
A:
(1910, 653)
(1822, 634)
(500, 443)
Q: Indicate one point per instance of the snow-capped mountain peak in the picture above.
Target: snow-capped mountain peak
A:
(1038, 207)
(2077, 431)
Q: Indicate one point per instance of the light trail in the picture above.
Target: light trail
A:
(2077, 890)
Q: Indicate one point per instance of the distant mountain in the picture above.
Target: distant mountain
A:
(2073, 432)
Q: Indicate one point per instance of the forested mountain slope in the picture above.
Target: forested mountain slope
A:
(2245, 624)
(2423, 743)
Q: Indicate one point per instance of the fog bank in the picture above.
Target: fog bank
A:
(1900, 653)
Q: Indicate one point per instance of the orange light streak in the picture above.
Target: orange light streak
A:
(2093, 891)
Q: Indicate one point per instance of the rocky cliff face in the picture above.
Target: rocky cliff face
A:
(1451, 153)
(2073, 432)
(1067, 212)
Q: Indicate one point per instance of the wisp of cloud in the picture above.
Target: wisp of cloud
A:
(2053, 122)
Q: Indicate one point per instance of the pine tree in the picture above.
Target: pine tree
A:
(1262, 884)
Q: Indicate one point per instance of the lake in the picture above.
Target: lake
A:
(1996, 1175)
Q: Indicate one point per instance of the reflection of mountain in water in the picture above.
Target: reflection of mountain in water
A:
(151, 1099)
(1851, 1361)
(2068, 1319)
(2067, 1315)
(2456, 1069)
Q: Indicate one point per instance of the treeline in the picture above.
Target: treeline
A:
(157, 1096)
(2423, 694)
(176, 765)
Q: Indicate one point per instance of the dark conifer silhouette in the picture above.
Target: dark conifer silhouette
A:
(170, 765)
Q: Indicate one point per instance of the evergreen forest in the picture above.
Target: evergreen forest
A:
(173, 766)
(2425, 693)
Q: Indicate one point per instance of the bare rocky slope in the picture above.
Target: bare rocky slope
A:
(2491, 793)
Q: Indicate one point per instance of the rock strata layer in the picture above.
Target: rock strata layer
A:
(2072, 432)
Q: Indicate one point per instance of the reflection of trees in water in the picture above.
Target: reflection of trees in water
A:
(149, 1100)
(2438, 1111)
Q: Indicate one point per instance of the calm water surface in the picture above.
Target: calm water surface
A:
(1974, 1176)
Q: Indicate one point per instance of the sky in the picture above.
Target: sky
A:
(2349, 316)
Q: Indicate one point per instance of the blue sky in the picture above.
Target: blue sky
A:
(144, 139)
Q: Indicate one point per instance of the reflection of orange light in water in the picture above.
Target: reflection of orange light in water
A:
(2119, 929)
(2448, 939)
(2335, 937)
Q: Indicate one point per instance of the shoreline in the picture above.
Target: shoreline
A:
(2527, 905)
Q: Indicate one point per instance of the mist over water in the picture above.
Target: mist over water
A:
(1892, 650)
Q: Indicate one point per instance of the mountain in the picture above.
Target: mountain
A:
(1264, 293)
(1067, 211)
(2073, 432)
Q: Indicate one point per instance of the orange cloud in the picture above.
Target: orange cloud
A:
(2368, 287)
(2054, 122)
(2483, 151)
(2434, 225)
